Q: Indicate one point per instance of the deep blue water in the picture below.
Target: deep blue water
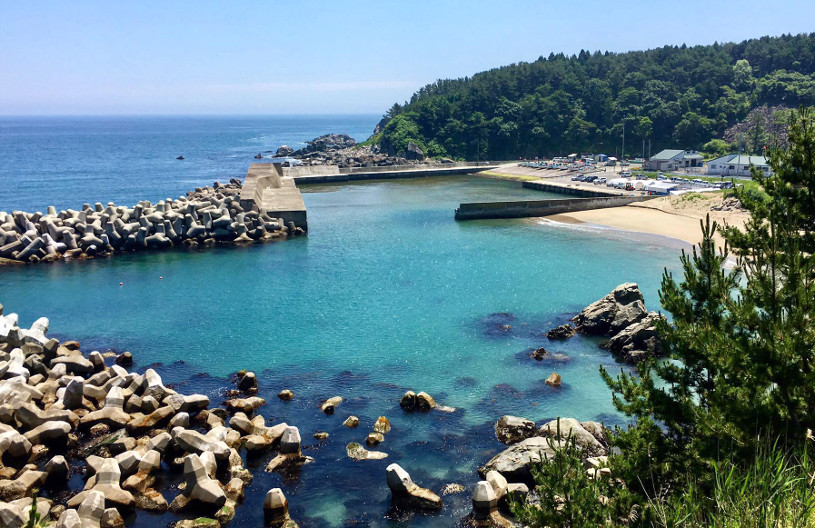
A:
(387, 293)
(67, 161)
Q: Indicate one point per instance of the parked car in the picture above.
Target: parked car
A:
(600, 180)
(590, 179)
(579, 177)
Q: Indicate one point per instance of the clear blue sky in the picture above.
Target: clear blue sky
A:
(254, 57)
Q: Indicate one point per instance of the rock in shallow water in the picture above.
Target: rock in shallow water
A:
(513, 429)
(617, 310)
(357, 452)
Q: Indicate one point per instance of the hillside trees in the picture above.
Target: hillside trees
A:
(578, 103)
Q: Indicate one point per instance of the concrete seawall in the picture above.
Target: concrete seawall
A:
(533, 208)
(560, 188)
(388, 173)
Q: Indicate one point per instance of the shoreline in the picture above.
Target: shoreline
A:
(659, 217)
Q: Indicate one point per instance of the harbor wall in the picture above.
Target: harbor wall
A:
(534, 208)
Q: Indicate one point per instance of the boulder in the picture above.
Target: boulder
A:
(330, 404)
(374, 439)
(408, 401)
(408, 495)
(553, 380)
(513, 429)
(246, 405)
(351, 422)
(617, 310)
(283, 151)
(514, 463)
(588, 436)
(382, 425)
(564, 331)
(285, 395)
(111, 518)
(638, 341)
(357, 452)
(248, 382)
(425, 402)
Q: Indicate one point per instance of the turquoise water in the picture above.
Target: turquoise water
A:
(387, 293)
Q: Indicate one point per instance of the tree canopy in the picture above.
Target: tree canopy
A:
(674, 97)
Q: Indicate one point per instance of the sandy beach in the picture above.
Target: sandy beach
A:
(672, 216)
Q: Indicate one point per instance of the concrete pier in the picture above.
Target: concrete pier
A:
(535, 208)
(330, 174)
(267, 190)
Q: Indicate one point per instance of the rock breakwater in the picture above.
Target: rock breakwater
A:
(204, 217)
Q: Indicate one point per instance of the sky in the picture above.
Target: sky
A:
(317, 57)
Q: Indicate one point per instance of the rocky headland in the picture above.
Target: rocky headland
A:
(204, 217)
(343, 151)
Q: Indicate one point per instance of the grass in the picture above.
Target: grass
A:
(774, 491)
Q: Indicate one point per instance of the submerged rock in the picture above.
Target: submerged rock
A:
(564, 331)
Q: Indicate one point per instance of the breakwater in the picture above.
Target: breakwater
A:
(206, 216)
(572, 190)
(266, 189)
(330, 174)
(534, 208)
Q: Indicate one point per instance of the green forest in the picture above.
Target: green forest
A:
(671, 97)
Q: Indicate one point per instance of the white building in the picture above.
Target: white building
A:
(672, 160)
(737, 165)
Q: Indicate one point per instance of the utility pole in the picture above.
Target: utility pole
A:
(622, 152)
(643, 148)
(649, 149)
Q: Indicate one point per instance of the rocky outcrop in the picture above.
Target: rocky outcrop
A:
(637, 341)
(512, 429)
(590, 437)
(325, 143)
(514, 463)
(614, 312)
(283, 152)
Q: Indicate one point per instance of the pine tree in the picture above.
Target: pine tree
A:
(741, 345)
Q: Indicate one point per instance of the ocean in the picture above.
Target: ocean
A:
(387, 293)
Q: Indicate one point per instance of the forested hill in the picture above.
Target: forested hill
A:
(677, 97)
